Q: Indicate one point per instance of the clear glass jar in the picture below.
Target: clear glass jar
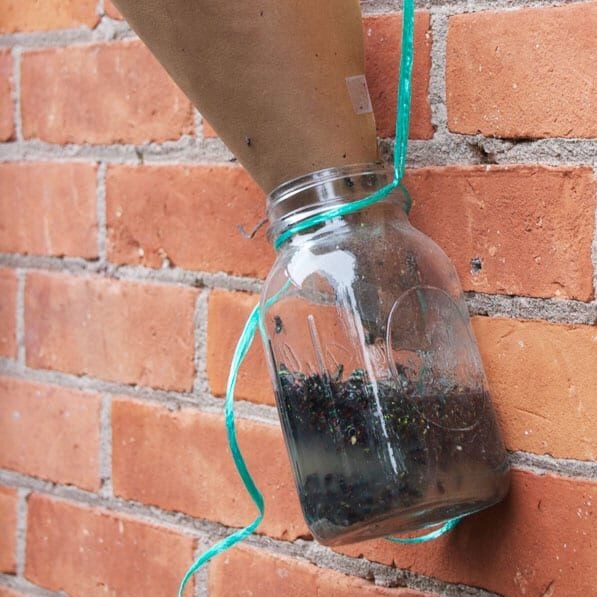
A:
(379, 383)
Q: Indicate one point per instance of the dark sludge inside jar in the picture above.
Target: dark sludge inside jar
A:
(365, 470)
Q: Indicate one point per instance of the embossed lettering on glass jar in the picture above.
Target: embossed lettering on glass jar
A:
(379, 384)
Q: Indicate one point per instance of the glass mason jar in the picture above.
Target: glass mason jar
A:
(379, 383)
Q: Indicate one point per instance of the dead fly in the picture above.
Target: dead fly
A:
(339, 372)
(278, 323)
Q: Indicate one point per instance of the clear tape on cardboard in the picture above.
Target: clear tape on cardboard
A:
(359, 94)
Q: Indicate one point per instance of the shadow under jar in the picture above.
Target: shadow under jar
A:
(379, 383)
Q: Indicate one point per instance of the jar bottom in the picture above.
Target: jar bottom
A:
(418, 517)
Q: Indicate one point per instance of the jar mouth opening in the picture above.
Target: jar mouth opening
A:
(315, 192)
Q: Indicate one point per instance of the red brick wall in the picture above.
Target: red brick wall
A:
(124, 283)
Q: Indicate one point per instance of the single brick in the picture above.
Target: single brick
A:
(48, 209)
(62, 427)
(258, 572)
(88, 552)
(7, 125)
(383, 42)
(227, 314)
(544, 384)
(188, 216)
(180, 461)
(541, 540)
(250, 571)
(111, 10)
(523, 73)
(19, 15)
(8, 312)
(123, 96)
(8, 530)
(529, 227)
(130, 332)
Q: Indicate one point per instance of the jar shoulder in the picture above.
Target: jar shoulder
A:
(391, 254)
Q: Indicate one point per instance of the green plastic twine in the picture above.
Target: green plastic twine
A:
(246, 338)
(244, 342)
(442, 530)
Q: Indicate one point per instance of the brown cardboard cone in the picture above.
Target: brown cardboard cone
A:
(270, 76)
